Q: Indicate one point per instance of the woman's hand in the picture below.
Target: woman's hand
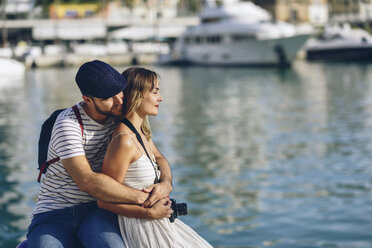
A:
(161, 209)
(157, 192)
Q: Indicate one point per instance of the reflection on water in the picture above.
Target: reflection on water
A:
(263, 157)
(274, 158)
(24, 104)
(12, 158)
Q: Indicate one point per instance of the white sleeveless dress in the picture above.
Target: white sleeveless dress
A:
(160, 233)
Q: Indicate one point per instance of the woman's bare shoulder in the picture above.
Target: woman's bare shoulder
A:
(122, 133)
(124, 140)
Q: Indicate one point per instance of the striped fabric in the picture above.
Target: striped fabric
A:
(58, 190)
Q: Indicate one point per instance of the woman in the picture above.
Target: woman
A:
(128, 162)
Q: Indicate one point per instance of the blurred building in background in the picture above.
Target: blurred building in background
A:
(352, 11)
(46, 22)
(297, 11)
(73, 10)
(17, 9)
(142, 9)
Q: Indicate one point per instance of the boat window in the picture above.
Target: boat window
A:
(194, 40)
(213, 39)
(243, 37)
(210, 20)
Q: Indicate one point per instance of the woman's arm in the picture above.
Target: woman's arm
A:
(166, 173)
(120, 153)
(164, 187)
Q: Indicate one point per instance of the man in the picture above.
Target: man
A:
(66, 209)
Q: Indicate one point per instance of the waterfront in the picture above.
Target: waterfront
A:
(263, 157)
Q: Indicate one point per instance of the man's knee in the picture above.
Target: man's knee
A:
(44, 235)
(50, 229)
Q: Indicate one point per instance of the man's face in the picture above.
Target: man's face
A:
(112, 106)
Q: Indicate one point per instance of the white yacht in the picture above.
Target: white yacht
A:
(10, 68)
(341, 43)
(238, 33)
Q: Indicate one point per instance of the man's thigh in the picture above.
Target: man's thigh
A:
(100, 228)
(51, 229)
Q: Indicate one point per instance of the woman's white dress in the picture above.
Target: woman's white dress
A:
(142, 233)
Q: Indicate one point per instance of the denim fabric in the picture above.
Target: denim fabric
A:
(83, 225)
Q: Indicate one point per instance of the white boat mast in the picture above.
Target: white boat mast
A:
(4, 29)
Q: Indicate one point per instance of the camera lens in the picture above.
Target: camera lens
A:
(181, 208)
(178, 209)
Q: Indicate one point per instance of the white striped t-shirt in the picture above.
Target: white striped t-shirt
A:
(58, 190)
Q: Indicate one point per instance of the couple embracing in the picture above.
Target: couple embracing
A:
(111, 186)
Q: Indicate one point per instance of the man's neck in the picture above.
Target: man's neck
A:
(92, 113)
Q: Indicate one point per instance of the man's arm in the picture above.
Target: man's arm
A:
(161, 209)
(164, 187)
(67, 139)
(99, 185)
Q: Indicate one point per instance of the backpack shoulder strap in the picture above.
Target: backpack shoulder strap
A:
(78, 116)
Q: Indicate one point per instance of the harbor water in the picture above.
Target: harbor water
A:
(263, 157)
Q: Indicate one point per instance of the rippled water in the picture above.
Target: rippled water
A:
(263, 157)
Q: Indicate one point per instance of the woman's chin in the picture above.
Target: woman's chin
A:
(150, 114)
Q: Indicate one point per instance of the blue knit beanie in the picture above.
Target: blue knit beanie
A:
(98, 79)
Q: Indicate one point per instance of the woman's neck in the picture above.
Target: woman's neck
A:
(136, 120)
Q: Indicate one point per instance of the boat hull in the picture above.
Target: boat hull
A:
(11, 68)
(360, 53)
(279, 51)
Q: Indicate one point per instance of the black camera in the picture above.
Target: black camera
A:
(178, 209)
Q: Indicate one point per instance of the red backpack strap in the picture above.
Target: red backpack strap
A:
(78, 116)
(45, 165)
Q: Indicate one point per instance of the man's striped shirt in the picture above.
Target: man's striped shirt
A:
(58, 190)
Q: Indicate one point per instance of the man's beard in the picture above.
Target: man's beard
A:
(105, 113)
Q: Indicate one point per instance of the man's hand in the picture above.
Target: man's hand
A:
(161, 209)
(157, 192)
(142, 196)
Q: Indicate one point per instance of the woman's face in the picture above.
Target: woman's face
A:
(150, 103)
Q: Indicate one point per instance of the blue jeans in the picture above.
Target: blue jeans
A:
(83, 225)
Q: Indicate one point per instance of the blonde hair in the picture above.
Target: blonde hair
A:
(139, 82)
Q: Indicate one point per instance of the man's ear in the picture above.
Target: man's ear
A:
(87, 99)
